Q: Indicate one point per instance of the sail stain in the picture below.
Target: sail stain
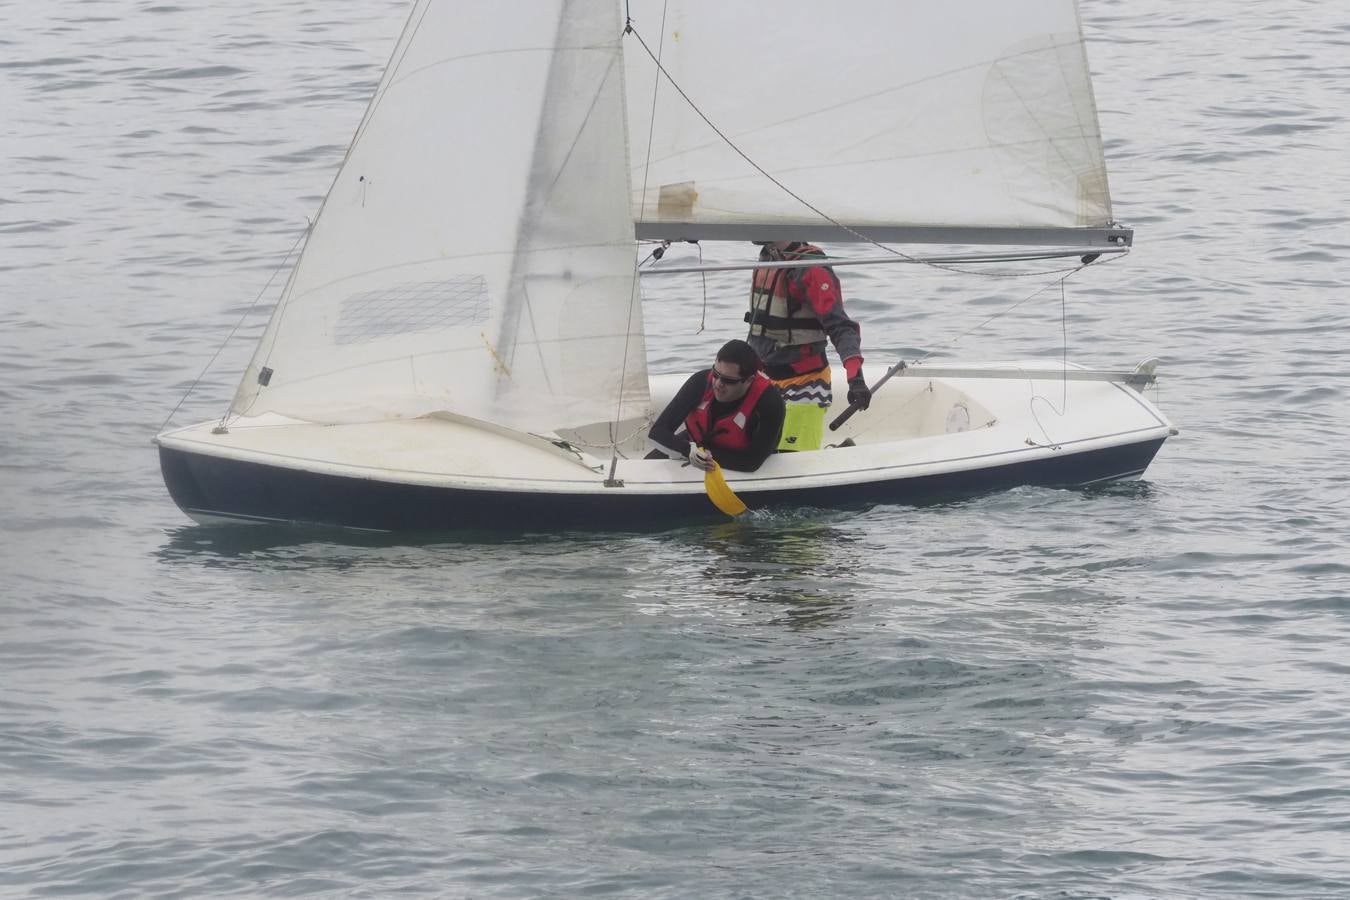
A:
(500, 365)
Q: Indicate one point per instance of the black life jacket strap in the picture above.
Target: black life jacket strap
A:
(762, 318)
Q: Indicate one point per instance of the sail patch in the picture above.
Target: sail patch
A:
(412, 307)
(676, 201)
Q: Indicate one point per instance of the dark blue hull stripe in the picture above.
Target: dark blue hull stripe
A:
(211, 487)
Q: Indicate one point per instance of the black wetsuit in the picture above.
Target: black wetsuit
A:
(764, 427)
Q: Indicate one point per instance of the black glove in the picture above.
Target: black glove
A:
(859, 394)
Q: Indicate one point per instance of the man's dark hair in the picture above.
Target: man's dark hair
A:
(742, 354)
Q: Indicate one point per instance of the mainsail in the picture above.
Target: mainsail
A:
(904, 120)
(475, 253)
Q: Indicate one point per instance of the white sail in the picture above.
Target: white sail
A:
(977, 114)
(475, 252)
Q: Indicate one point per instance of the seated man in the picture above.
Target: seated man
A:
(730, 413)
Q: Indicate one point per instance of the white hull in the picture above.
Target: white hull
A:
(940, 432)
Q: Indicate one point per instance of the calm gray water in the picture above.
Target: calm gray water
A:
(1139, 691)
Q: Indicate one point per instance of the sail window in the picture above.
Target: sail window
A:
(413, 307)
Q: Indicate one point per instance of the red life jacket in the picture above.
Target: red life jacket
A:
(727, 432)
(775, 313)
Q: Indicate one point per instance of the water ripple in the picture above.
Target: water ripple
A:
(1137, 690)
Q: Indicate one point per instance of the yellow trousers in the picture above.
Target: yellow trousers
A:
(806, 398)
(803, 427)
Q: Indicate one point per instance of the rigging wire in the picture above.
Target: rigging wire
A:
(1064, 377)
(1064, 373)
(1064, 344)
(656, 254)
(998, 315)
(1064, 354)
(703, 317)
(636, 295)
(656, 87)
(237, 325)
(405, 39)
(1001, 313)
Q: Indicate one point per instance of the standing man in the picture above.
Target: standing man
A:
(730, 413)
(792, 313)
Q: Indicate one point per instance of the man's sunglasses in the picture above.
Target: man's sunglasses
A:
(727, 379)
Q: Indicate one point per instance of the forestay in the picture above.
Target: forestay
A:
(475, 252)
(890, 116)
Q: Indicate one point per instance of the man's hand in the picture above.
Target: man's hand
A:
(700, 458)
(859, 394)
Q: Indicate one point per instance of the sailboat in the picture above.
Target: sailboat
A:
(461, 345)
